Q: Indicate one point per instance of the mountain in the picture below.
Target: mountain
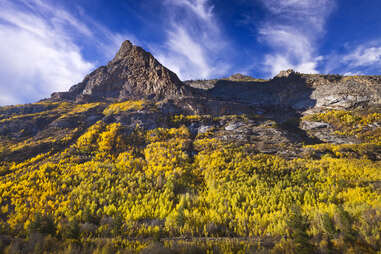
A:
(132, 74)
(132, 154)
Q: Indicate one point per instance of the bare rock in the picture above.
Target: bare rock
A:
(233, 126)
(204, 128)
(240, 77)
(132, 74)
(285, 74)
(307, 125)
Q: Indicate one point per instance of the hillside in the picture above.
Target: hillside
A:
(134, 159)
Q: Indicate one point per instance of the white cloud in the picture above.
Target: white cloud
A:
(195, 44)
(39, 50)
(351, 74)
(292, 31)
(37, 57)
(362, 58)
(180, 41)
(364, 55)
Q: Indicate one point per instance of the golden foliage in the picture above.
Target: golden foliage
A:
(351, 123)
(161, 182)
(80, 108)
(116, 108)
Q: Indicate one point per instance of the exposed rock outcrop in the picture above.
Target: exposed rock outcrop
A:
(286, 74)
(301, 92)
(240, 77)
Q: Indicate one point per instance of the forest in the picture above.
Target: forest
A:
(166, 190)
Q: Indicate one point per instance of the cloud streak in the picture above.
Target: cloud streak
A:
(291, 31)
(362, 58)
(194, 45)
(40, 51)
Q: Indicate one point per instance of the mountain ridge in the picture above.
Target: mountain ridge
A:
(135, 74)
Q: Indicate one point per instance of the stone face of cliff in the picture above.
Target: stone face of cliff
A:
(300, 92)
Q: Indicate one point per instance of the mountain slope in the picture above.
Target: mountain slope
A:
(132, 155)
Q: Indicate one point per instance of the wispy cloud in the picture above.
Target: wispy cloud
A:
(195, 44)
(362, 58)
(291, 31)
(39, 49)
(199, 7)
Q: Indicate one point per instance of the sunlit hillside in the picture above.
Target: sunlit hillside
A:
(106, 188)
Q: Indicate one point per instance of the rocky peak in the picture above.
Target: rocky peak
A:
(136, 54)
(125, 50)
(239, 77)
(132, 74)
(286, 74)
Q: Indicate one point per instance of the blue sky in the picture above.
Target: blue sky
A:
(49, 45)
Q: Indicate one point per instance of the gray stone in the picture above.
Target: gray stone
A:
(307, 125)
(233, 126)
(204, 128)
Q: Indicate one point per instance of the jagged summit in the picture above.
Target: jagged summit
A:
(127, 50)
(286, 73)
(133, 73)
(240, 77)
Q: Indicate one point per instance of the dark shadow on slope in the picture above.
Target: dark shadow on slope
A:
(281, 99)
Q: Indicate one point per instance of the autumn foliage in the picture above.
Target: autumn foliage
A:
(166, 182)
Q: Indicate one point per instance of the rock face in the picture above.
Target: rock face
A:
(300, 92)
(345, 92)
(286, 73)
(132, 74)
(239, 77)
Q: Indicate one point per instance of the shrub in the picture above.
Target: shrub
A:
(297, 226)
(43, 224)
(72, 230)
